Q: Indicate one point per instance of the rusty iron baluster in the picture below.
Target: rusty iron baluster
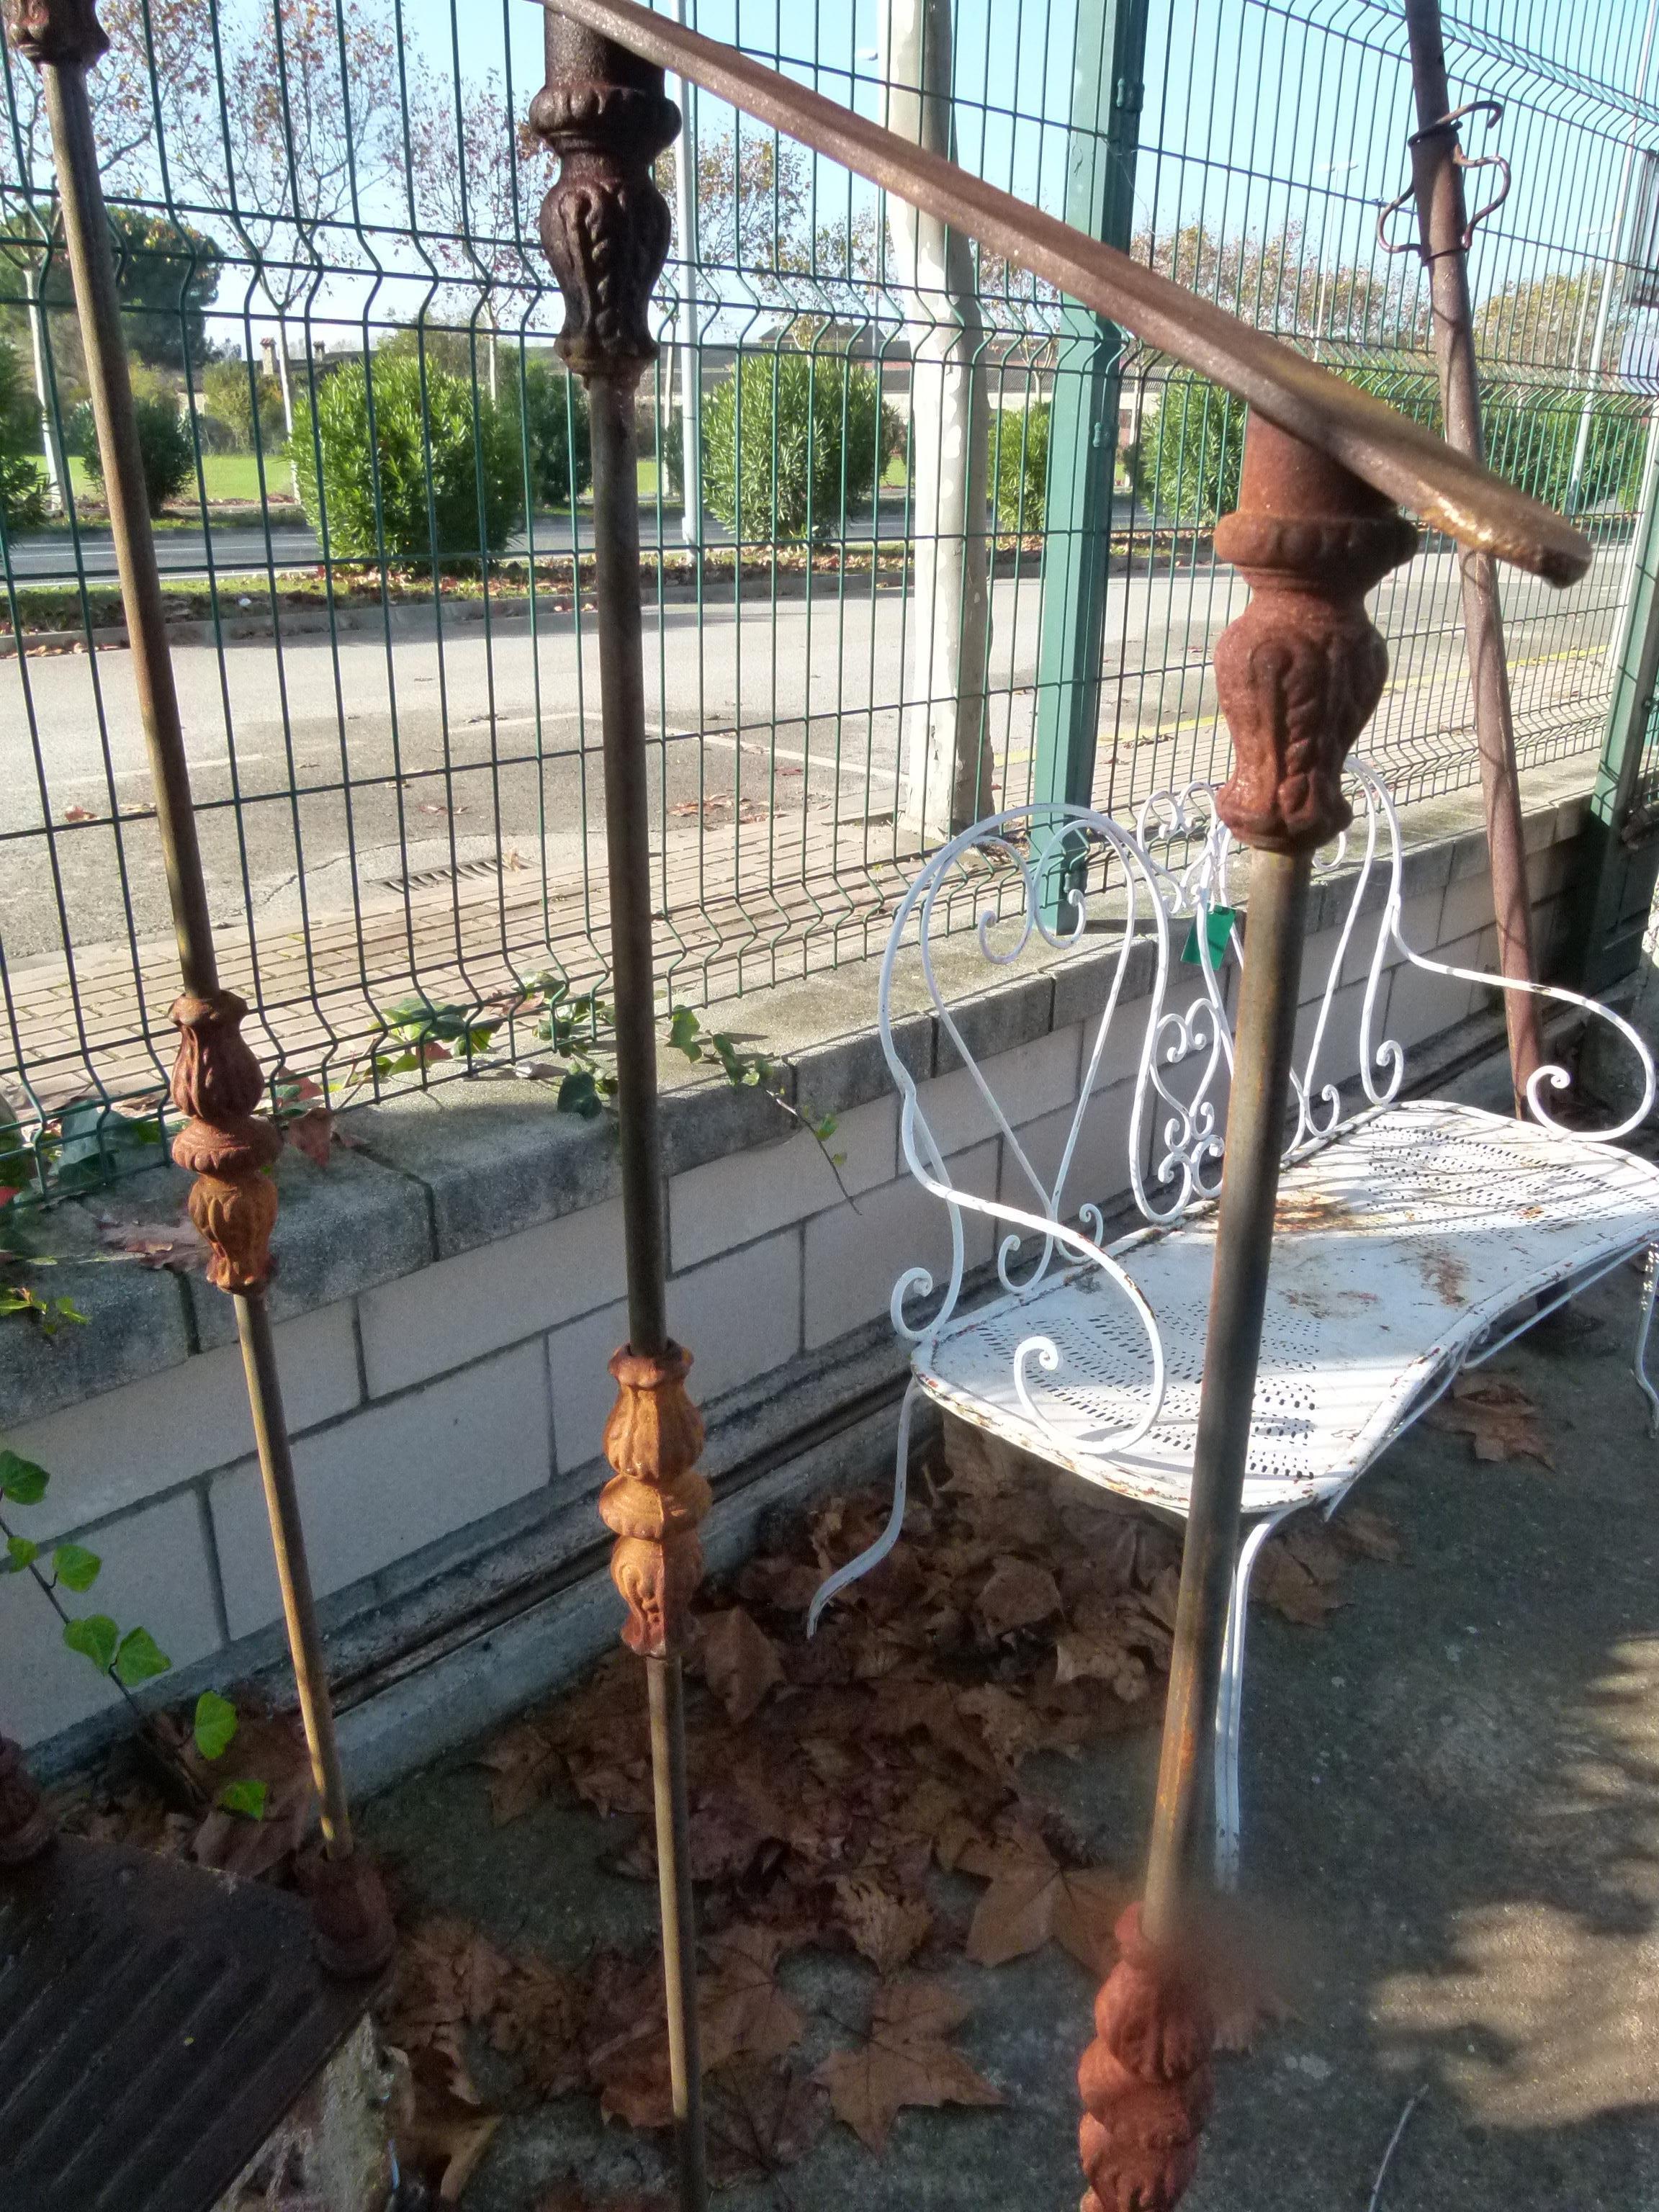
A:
(1299, 675)
(1438, 177)
(605, 230)
(216, 1083)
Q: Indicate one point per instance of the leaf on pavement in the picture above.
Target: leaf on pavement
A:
(311, 1133)
(524, 1764)
(1033, 1900)
(760, 2119)
(444, 2141)
(537, 2014)
(1019, 1594)
(740, 1661)
(905, 2061)
(177, 1244)
(1372, 1535)
(1498, 1418)
(741, 2011)
(888, 1930)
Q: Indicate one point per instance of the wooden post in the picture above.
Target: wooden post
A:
(1299, 675)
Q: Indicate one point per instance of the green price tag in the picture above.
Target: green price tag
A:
(1217, 930)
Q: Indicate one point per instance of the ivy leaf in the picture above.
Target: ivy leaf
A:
(247, 1798)
(96, 1637)
(76, 1567)
(579, 1094)
(20, 1554)
(21, 1480)
(216, 1723)
(139, 1659)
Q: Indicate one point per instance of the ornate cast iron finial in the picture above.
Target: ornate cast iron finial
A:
(63, 33)
(604, 226)
(656, 1498)
(1145, 2081)
(25, 1826)
(1301, 670)
(225, 1144)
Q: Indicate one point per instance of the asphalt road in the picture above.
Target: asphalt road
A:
(463, 749)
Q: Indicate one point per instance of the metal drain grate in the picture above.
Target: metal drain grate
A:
(426, 879)
(156, 2023)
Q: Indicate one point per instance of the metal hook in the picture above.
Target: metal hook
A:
(1492, 111)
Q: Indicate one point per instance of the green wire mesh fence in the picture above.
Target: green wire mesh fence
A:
(920, 539)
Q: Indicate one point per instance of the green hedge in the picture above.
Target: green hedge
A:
(1019, 465)
(1187, 463)
(792, 442)
(440, 481)
(22, 477)
(166, 448)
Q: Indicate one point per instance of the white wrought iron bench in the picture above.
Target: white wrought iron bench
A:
(1413, 1238)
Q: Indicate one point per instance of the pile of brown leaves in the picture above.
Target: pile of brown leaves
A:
(831, 1781)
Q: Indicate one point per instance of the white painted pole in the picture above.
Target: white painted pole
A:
(946, 768)
(685, 223)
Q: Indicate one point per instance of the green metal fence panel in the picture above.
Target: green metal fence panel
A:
(370, 471)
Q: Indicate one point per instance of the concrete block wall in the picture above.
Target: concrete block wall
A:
(450, 1293)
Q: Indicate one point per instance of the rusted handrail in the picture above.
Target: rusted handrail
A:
(1398, 457)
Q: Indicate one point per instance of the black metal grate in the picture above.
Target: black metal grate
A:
(157, 2022)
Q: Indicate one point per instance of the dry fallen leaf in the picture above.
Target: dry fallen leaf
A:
(524, 1764)
(760, 2119)
(1018, 1596)
(741, 2011)
(177, 1244)
(444, 2143)
(1498, 1418)
(739, 1661)
(905, 2061)
(888, 1930)
(1033, 1900)
(79, 814)
(311, 1133)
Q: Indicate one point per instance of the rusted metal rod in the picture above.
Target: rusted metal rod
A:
(606, 230)
(1443, 223)
(1298, 674)
(1379, 445)
(216, 1082)
(1268, 1004)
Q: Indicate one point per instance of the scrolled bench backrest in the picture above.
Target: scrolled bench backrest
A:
(1157, 901)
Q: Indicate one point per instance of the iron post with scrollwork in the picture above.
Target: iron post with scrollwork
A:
(226, 1144)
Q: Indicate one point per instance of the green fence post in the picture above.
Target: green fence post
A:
(1621, 860)
(1106, 96)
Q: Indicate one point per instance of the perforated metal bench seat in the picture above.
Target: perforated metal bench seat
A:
(1413, 1239)
(1398, 1249)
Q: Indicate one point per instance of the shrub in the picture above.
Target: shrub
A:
(1186, 464)
(555, 429)
(792, 441)
(23, 478)
(230, 391)
(439, 481)
(166, 448)
(1020, 464)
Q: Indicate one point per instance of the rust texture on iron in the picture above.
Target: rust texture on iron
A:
(225, 1144)
(1401, 458)
(656, 1498)
(157, 2024)
(604, 226)
(1300, 671)
(1298, 674)
(25, 1826)
(63, 33)
(1145, 2081)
